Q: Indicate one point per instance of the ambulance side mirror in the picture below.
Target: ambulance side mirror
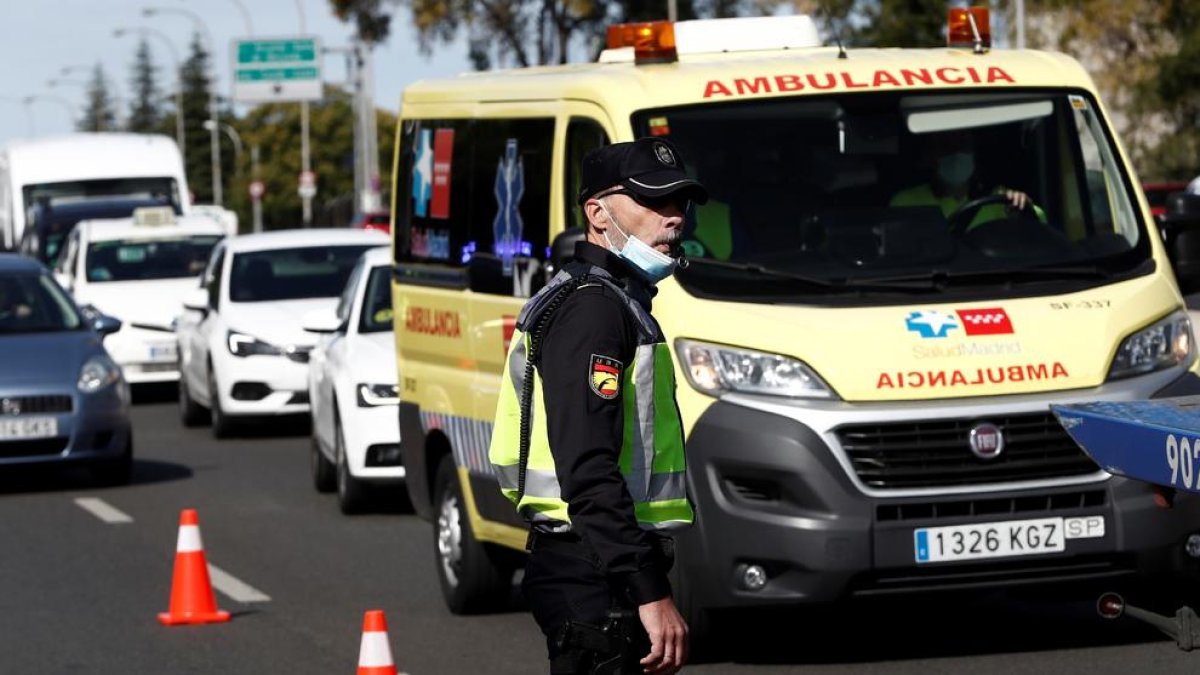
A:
(563, 248)
(1181, 233)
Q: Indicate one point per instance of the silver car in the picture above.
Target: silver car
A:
(62, 398)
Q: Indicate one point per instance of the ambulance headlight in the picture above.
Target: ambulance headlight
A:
(1161, 345)
(719, 369)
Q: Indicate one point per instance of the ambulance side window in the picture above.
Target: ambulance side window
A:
(472, 206)
(583, 136)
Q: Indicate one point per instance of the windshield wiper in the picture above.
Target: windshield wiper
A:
(837, 284)
(1049, 273)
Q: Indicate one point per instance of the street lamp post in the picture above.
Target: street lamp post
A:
(71, 113)
(159, 35)
(21, 102)
(305, 151)
(234, 138)
(214, 133)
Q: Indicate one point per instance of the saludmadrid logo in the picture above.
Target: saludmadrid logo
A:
(966, 349)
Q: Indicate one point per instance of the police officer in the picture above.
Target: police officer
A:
(588, 441)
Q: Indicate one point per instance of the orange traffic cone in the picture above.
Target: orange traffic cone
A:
(375, 655)
(192, 599)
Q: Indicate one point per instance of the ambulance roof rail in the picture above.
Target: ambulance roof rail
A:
(714, 36)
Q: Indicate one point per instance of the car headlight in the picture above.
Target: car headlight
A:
(241, 344)
(97, 373)
(1161, 345)
(371, 395)
(718, 369)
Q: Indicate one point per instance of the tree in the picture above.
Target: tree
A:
(98, 113)
(275, 129)
(197, 160)
(145, 110)
(527, 32)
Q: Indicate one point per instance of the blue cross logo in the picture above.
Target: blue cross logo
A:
(510, 186)
(931, 323)
(422, 177)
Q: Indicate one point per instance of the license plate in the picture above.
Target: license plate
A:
(990, 540)
(163, 352)
(30, 427)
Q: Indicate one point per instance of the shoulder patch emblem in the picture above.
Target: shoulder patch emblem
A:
(604, 376)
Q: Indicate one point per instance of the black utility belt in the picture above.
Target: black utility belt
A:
(572, 543)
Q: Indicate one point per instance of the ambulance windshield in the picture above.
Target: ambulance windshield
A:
(891, 193)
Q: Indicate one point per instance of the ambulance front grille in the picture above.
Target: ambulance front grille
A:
(937, 453)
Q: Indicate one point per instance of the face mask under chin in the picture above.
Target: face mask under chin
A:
(654, 264)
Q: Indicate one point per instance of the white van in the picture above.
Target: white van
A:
(85, 166)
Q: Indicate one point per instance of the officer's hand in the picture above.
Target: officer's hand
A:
(668, 637)
(1017, 199)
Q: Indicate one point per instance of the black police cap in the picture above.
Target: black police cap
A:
(649, 166)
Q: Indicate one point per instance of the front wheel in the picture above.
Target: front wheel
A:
(323, 477)
(352, 494)
(115, 471)
(222, 426)
(472, 582)
(191, 414)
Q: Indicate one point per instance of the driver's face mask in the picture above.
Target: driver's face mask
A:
(654, 264)
(955, 169)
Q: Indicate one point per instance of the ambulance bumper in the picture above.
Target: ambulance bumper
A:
(770, 491)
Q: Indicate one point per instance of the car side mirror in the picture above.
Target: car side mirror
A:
(105, 324)
(1181, 234)
(563, 248)
(321, 321)
(196, 300)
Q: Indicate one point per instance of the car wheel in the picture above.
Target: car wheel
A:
(472, 582)
(222, 426)
(351, 492)
(115, 471)
(191, 414)
(323, 476)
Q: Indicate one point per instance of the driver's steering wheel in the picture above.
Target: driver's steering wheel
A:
(963, 215)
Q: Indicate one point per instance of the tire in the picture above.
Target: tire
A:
(191, 414)
(352, 494)
(323, 472)
(115, 471)
(222, 426)
(472, 581)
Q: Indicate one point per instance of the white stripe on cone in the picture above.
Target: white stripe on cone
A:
(189, 539)
(375, 651)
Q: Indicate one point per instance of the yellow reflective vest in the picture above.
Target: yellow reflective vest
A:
(651, 456)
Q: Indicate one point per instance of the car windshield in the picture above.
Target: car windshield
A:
(377, 303)
(292, 273)
(140, 259)
(162, 190)
(827, 198)
(52, 222)
(34, 303)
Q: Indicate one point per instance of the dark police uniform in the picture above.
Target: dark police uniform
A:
(588, 442)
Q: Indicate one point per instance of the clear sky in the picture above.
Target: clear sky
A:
(39, 38)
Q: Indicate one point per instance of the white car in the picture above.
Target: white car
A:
(242, 351)
(352, 386)
(139, 269)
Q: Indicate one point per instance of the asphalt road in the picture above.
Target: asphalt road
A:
(80, 595)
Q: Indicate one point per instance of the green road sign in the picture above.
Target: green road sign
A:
(277, 69)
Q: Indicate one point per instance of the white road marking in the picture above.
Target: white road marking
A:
(233, 587)
(103, 510)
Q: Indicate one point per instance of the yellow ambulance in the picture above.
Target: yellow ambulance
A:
(907, 256)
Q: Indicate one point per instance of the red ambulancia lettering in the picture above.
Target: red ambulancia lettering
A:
(752, 86)
(917, 379)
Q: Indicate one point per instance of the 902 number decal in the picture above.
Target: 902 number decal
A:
(1183, 456)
